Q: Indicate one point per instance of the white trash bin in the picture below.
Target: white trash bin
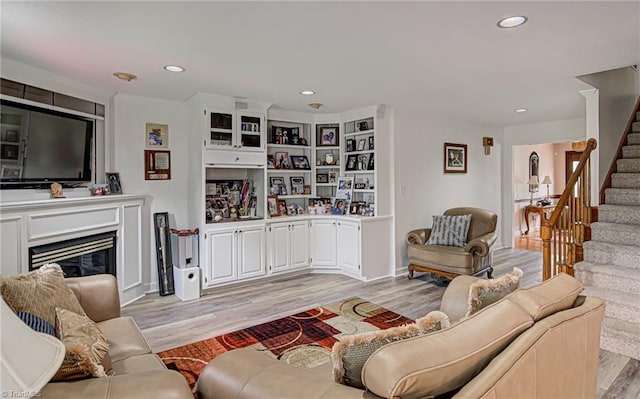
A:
(186, 282)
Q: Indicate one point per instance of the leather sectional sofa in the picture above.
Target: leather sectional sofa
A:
(537, 342)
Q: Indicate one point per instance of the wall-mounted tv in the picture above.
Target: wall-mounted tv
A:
(39, 146)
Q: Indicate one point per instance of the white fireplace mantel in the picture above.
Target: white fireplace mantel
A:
(25, 224)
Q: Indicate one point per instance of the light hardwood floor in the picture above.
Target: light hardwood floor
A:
(167, 322)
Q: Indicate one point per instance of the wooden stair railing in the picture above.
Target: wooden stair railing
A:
(564, 232)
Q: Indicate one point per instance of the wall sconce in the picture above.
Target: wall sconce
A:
(487, 143)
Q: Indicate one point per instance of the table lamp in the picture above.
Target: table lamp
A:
(533, 181)
(547, 181)
(28, 359)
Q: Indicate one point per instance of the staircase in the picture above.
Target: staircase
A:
(611, 266)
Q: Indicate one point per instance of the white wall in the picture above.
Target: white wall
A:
(131, 115)
(536, 133)
(422, 189)
(618, 91)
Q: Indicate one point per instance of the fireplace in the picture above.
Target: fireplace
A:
(85, 256)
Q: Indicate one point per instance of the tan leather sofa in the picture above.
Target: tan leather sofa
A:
(139, 373)
(538, 342)
(449, 261)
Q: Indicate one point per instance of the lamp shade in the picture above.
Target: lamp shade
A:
(533, 180)
(546, 180)
(28, 359)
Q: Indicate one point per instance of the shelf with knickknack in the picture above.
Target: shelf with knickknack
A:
(233, 194)
(359, 159)
(327, 155)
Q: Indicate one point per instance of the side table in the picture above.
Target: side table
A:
(541, 210)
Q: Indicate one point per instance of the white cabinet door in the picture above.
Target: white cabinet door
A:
(323, 243)
(348, 237)
(221, 125)
(222, 256)
(250, 128)
(299, 244)
(250, 251)
(11, 250)
(280, 246)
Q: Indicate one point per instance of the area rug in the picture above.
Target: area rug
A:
(303, 340)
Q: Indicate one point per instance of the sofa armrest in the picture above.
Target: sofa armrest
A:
(455, 301)
(165, 384)
(419, 236)
(98, 295)
(249, 374)
(482, 244)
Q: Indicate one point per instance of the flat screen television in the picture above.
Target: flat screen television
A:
(39, 146)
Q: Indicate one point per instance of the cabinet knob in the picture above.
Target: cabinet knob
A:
(237, 159)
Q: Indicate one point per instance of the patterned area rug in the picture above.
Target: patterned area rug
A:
(303, 340)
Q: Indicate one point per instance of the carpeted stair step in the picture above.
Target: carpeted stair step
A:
(606, 276)
(622, 196)
(631, 165)
(620, 305)
(622, 234)
(635, 127)
(612, 254)
(633, 138)
(631, 151)
(620, 337)
(623, 214)
(625, 180)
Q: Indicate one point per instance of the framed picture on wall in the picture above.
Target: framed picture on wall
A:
(455, 158)
(157, 135)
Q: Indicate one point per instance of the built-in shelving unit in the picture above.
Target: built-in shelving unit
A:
(359, 159)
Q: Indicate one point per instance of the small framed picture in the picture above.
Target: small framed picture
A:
(282, 207)
(333, 177)
(272, 205)
(360, 186)
(339, 206)
(322, 178)
(354, 209)
(306, 190)
(455, 158)
(282, 160)
(371, 164)
(9, 151)
(352, 162)
(361, 144)
(113, 180)
(157, 135)
(351, 145)
(372, 145)
(329, 159)
(363, 126)
(283, 189)
(297, 185)
(328, 136)
(271, 161)
(11, 172)
(275, 183)
(300, 162)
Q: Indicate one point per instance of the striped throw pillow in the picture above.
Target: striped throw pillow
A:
(37, 323)
(450, 230)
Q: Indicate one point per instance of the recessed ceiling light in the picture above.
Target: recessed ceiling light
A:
(174, 68)
(125, 76)
(512, 22)
(307, 92)
(520, 110)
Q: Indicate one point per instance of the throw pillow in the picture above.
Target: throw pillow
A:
(36, 323)
(483, 293)
(40, 292)
(86, 347)
(351, 352)
(449, 230)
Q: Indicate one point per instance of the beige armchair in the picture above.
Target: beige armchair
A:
(449, 261)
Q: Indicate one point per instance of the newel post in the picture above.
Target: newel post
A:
(545, 234)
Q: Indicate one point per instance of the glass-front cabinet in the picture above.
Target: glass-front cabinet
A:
(235, 130)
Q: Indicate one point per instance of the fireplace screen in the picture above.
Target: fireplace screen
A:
(84, 256)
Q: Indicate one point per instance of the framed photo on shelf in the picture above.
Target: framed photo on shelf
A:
(363, 126)
(455, 158)
(9, 151)
(361, 186)
(371, 164)
(300, 162)
(328, 136)
(345, 188)
(333, 177)
(271, 161)
(275, 183)
(11, 172)
(283, 189)
(282, 207)
(354, 209)
(113, 180)
(282, 160)
(157, 135)
(11, 135)
(352, 162)
(306, 190)
(361, 144)
(322, 178)
(372, 145)
(297, 185)
(272, 205)
(339, 207)
(351, 145)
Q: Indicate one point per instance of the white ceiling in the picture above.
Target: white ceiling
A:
(445, 57)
